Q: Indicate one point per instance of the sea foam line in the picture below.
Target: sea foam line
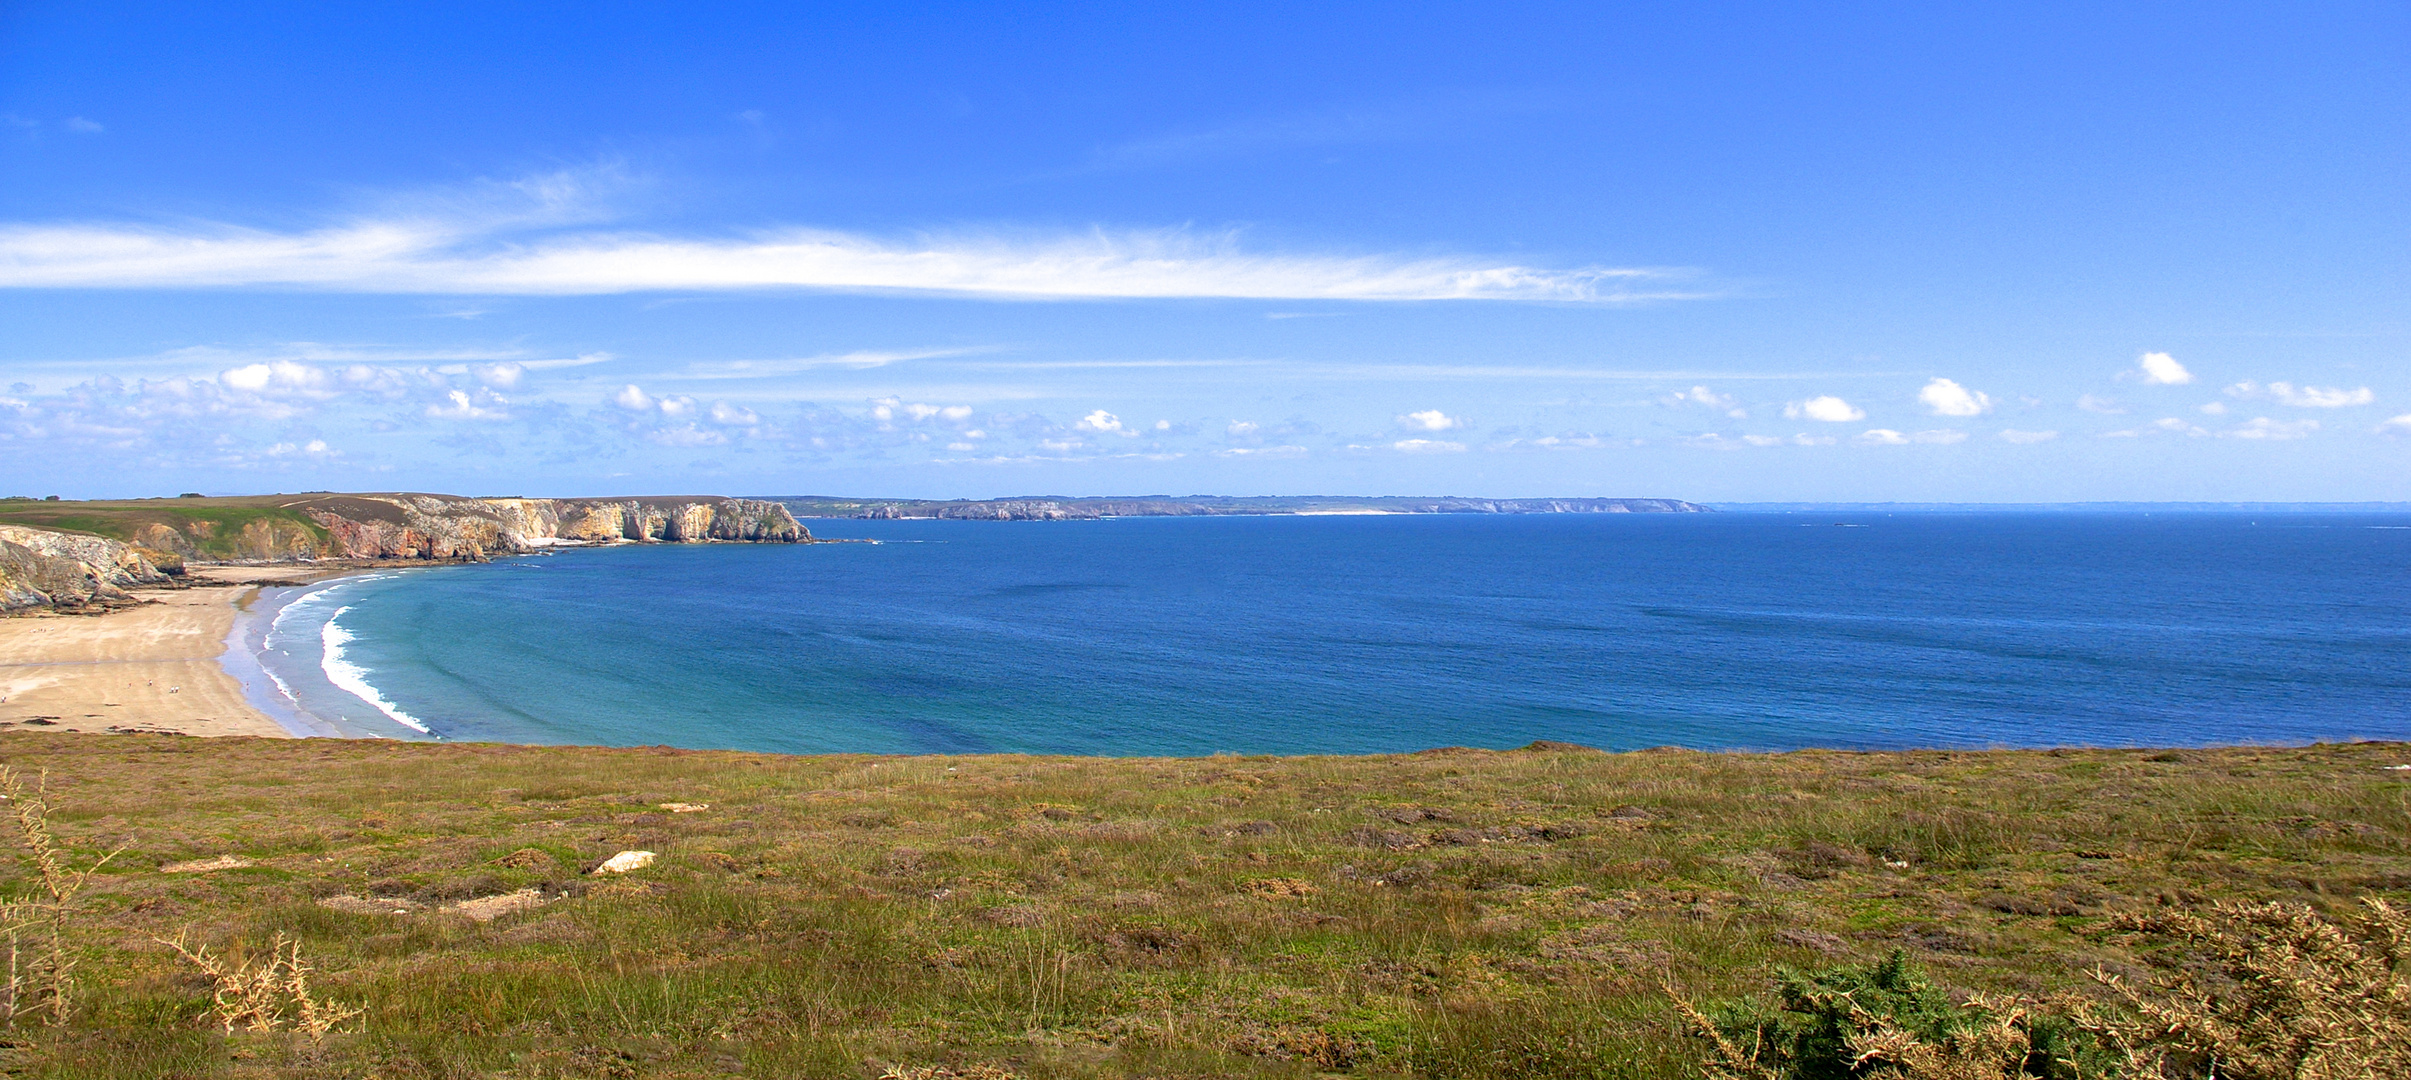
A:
(351, 677)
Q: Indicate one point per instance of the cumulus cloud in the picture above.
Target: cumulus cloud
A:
(1701, 395)
(2161, 369)
(1264, 451)
(446, 244)
(1940, 437)
(1427, 446)
(1881, 437)
(1104, 423)
(1825, 407)
(1429, 420)
(2306, 397)
(2400, 425)
(633, 398)
(2023, 437)
(2109, 406)
(1241, 429)
(1946, 398)
(2214, 408)
(461, 405)
(733, 416)
(1806, 439)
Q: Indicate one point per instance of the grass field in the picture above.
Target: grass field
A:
(1445, 914)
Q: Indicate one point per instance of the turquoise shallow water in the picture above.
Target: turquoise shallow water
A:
(1352, 634)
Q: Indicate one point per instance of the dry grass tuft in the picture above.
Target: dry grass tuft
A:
(270, 996)
(41, 971)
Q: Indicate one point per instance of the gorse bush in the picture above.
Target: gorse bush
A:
(2268, 991)
(1886, 1019)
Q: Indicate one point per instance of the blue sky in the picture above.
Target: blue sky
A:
(1718, 252)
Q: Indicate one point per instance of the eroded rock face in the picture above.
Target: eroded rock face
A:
(41, 568)
(444, 527)
(46, 568)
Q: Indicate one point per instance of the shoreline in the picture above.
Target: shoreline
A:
(158, 666)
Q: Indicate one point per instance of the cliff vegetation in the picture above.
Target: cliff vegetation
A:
(1446, 914)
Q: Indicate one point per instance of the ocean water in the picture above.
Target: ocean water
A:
(1355, 634)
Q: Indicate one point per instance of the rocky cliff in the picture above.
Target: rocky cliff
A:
(41, 568)
(449, 527)
(76, 554)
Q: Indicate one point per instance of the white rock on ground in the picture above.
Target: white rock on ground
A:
(625, 861)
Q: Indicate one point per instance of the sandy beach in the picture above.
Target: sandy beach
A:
(152, 667)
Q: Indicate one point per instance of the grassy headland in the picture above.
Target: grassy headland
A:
(1451, 913)
(214, 528)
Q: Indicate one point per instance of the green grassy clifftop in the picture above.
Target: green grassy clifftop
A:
(1446, 914)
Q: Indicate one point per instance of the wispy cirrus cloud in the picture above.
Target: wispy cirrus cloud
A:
(525, 239)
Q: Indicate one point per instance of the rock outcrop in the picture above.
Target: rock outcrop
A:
(450, 527)
(41, 568)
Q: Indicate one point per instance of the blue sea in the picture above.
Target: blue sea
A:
(1384, 633)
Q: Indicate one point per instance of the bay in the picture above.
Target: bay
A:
(1397, 633)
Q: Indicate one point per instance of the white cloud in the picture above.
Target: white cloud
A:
(1240, 429)
(2214, 408)
(1947, 398)
(1061, 446)
(2022, 437)
(1266, 451)
(677, 406)
(81, 126)
(2161, 369)
(633, 399)
(1940, 437)
(955, 412)
(2400, 425)
(1429, 420)
(501, 376)
(1427, 446)
(459, 405)
(2307, 397)
(1881, 437)
(2263, 428)
(1701, 395)
(450, 244)
(1825, 407)
(1103, 423)
(1806, 439)
(733, 416)
(2109, 406)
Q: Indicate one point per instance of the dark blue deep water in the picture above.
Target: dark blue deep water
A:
(1345, 634)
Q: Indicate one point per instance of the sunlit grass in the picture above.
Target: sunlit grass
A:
(1443, 914)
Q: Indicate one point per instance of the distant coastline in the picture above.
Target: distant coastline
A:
(1062, 508)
